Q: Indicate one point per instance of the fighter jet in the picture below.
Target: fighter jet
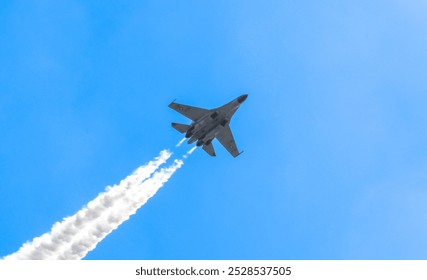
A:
(209, 124)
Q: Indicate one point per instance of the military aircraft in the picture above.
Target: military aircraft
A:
(209, 124)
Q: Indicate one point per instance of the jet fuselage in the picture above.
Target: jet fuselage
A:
(209, 124)
(207, 128)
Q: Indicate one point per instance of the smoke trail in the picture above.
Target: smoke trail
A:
(75, 236)
(180, 142)
(133, 200)
(190, 152)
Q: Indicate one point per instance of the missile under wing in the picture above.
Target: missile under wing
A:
(209, 124)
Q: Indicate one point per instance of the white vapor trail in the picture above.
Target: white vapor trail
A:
(77, 235)
(190, 152)
(180, 142)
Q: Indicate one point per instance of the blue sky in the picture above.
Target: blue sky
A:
(335, 164)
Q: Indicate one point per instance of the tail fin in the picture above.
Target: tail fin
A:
(209, 149)
(180, 127)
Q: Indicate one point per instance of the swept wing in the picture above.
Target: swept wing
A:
(190, 112)
(225, 137)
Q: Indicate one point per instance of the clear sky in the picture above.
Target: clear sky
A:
(334, 128)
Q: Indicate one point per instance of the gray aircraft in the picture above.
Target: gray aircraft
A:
(209, 124)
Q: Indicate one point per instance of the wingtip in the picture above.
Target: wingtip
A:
(172, 102)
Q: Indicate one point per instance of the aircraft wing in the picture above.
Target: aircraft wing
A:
(190, 112)
(225, 137)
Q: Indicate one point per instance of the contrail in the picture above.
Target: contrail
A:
(180, 142)
(77, 235)
(190, 152)
(131, 202)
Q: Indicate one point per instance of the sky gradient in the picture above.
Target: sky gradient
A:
(334, 128)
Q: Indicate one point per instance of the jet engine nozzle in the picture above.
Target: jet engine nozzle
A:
(199, 143)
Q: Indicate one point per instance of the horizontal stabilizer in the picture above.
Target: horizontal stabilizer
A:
(209, 149)
(180, 127)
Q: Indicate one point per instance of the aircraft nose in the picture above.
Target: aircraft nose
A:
(242, 98)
